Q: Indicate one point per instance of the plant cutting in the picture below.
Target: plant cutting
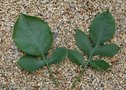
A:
(33, 36)
(102, 29)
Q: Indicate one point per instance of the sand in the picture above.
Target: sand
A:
(63, 17)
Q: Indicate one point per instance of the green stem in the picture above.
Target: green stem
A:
(43, 56)
(48, 66)
(50, 71)
(82, 71)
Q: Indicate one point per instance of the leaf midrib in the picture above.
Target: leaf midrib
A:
(101, 32)
(34, 38)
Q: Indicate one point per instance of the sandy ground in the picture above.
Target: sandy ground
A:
(63, 17)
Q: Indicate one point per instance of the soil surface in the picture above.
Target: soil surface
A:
(63, 17)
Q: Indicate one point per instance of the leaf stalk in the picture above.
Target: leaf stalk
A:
(50, 70)
(82, 71)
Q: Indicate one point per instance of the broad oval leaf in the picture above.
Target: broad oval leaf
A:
(99, 64)
(102, 28)
(76, 57)
(32, 35)
(83, 42)
(30, 63)
(58, 55)
(107, 50)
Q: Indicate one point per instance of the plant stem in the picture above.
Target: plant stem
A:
(50, 71)
(48, 66)
(85, 66)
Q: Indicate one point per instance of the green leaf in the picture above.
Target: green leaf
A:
(99, 64)
(102, 28)
(58, 55)
(30, 63)
(32, 35)
(107, 50)
(83, 42)
(76, 57)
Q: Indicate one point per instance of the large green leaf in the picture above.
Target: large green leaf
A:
(102, 28)
(83, 42)
(107, 50)
(58, 55)
(30, 63)
(99, 64)
(32, 35)
(76, 57)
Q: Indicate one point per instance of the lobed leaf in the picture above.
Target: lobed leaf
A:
(76, 57)
(83, 42)
(32, 35)
(99, 64)
(102, 28)
(30, 63)
(58, 55)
